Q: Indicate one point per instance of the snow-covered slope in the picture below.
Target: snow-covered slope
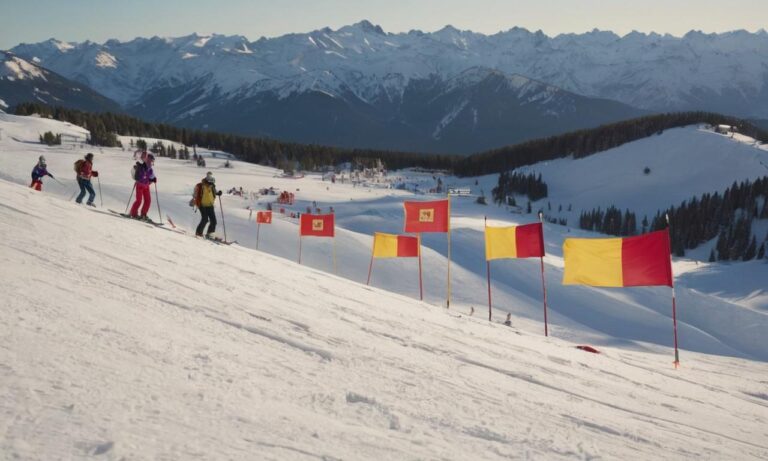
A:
(683, 163)
(123, 341)
(718, 72)
(639, 319)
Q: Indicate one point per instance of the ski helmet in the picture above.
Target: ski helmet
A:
(41, 160)
(209, 178)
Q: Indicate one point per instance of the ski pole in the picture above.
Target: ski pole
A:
(101, 197)
(223, 223)
(129, 198)
(157, 200)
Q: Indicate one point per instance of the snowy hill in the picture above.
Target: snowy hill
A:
(125, 341)
(23, 81)
(636, 318)
(682, 162)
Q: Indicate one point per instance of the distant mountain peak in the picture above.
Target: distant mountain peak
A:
(366, 26)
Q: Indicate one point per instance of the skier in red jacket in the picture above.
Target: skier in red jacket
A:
(84, 173)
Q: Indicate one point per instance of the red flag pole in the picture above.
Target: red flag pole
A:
(370, 266)
(421, 284)
(674, 326)
(258, 228)
(488, 273)
(674, 301)
(448, 300)
(543, 285)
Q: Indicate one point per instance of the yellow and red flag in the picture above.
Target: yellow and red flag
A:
(525, 241)
(433, 216)
(264, 217)
(395, 246)
(316, 225)
(619, 262)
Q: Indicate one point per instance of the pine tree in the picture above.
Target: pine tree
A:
(712, 255)
(751, 251)
(761, 251)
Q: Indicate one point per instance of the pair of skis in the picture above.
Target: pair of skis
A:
(149, 222)
(173, 227)
(218, 241)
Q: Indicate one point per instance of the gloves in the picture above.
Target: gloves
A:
(49, 174)
(95, 174)
(154, 180)
(218, 193)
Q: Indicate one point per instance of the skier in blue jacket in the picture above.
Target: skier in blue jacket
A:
(38, 172)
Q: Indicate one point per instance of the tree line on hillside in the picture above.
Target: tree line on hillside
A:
(161, 150)
(611, 221)
(105, 126)
(519, 183)
(729, 217)
(50, 139)
(586, 142)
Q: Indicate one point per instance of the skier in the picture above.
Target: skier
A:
(84, 169)
(144, 176)
(38, 172)
(204, 198)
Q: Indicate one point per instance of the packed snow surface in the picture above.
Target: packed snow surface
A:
(128, 341)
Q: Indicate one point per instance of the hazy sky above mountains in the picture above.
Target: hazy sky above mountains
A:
(99, 20)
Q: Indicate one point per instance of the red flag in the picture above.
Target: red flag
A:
(431, 216)
(526, 241)
(643, 260)
(395, 246)
(264, 217)
(646, 260)
(316, 225)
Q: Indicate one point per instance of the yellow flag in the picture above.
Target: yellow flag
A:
(395, 246)
(500, 242)
(384, 245)
(594, 262)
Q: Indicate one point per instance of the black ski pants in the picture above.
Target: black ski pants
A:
(207, 215)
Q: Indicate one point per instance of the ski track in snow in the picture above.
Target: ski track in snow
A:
(118, 341)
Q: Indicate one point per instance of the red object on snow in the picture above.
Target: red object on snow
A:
(588, 349)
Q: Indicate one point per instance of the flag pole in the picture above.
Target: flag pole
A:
(543, 285)
(370, 266)
(674, 300)
(299, 246)
(448, 300)
(335, 272)
(488, 274)
(421, 284)
(674, 324)
(258, 228)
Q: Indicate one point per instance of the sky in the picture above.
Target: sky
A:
(99, 20)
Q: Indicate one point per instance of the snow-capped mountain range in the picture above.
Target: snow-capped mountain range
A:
(359, 84)
(24, 81)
